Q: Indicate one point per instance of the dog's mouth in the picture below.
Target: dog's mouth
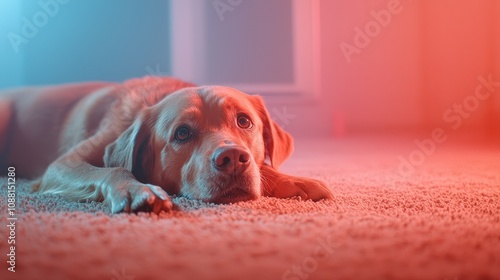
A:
(219, 187)
(233, 195)
(234, 189)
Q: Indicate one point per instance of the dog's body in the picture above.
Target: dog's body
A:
(130, 144)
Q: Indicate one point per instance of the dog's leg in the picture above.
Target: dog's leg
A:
(280, 185)
(76, 176)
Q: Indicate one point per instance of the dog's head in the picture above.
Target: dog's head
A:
(204, 143)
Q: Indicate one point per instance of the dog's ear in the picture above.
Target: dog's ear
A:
(278, 143)
(126, 151)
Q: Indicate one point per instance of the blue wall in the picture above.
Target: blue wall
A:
(82, 40)
(10, 62)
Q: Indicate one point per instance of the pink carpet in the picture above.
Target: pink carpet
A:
(440, 222)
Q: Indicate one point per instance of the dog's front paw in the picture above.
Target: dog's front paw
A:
(315, 189)
(130, 196)
(305, 188)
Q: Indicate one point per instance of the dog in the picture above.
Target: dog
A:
(133, 144)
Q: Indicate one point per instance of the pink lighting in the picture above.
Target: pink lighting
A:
(393, 104)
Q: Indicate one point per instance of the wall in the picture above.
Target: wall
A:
(84, 40)
(372, 84)
(404, 76)
(11, 72)
(415, 69)
(459, 47)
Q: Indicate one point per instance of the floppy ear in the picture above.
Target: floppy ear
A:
(127, 149)
(278, 143)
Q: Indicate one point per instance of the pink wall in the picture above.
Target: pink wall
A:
(458, 47)
(399, 74)
(425, 59)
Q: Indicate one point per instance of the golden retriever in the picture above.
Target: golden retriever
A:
(131, 144)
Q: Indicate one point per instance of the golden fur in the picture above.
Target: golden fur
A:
(120, 143)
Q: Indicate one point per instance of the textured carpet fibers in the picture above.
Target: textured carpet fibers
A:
(441, 221)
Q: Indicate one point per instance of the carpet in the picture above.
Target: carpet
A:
(438, 221)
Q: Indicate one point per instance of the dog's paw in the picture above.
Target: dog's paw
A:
(133, 196)
(304, 188)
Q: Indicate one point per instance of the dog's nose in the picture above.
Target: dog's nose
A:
(231, 159)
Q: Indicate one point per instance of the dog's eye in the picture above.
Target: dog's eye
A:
(244, 122)
(182, 134)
